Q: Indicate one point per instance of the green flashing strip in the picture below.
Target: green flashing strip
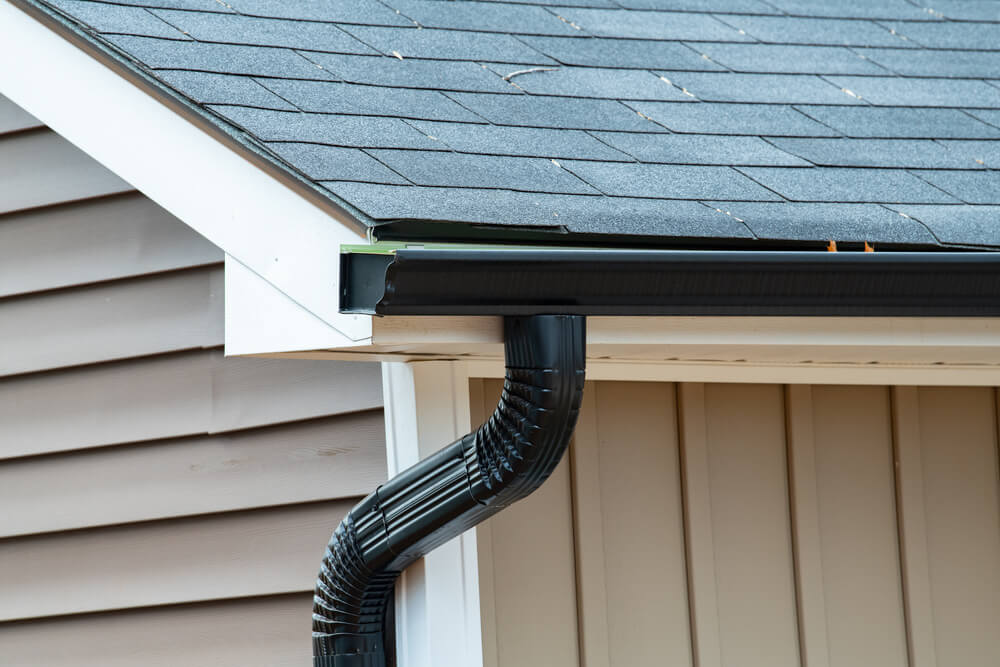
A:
(390, 247)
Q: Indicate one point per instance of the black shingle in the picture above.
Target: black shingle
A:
(699, 149)
(232, 29)
(599, 215)
(834, 184)
(661, 104)
(733, 119)
(119, 19)
(780, 58)
(353, 131)
(557, 112)
(858, 9)
(483, 16)
(331, 97)
(760, 88)
(208, 88)
(830, 222)
(972, 10)
(965, 225)
(650, 25)
(986, 153)
(831, 32)
(950, 35)
(448, 45)
(323, 163)
(413, 73)
(366, 12)
(894, 91)
(624, 53)
(865, 122)
(593, 82)
(716, 6)
(927, 62)
(521, 141)
(989, 116)
(193, 5)
(483, 171)
(914, 153)
(220, 58)
(668, 181)
(971, 187)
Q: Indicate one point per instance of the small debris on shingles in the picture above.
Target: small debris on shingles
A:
(851, 93)
(978, 161)
(508, 77)
(555, 163)
(568, 22)
(396, 53)
(719, 210)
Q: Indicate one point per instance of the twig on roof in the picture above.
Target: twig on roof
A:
(519, 72)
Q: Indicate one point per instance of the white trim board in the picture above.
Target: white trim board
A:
(271, 229)
(819, 350)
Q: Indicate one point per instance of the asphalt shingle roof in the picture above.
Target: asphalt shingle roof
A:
(677, 121)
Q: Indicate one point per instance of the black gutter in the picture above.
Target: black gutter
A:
(670, 282)
(451, 491)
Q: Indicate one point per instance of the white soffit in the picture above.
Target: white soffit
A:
(265, 225)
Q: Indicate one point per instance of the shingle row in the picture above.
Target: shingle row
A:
(790, 120)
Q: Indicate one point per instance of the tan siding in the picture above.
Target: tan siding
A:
(237, 633)
(14, 119)
(138, 466)
(624, 427)
(90, 241)
(300, 462)
(162, 562)
(174, 395)
(534, 588)
(750, 525)
(116, 320)
(858, 526)
(823, 526)
(958, 451)
(40, 168)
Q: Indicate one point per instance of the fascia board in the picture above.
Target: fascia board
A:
(267, 226)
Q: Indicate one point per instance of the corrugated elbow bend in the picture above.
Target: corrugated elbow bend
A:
(468, 481)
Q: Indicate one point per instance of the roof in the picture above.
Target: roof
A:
(724, 122)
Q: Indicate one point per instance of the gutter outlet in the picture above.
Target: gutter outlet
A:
(458, 487)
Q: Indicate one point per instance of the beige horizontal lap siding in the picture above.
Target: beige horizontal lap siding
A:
(142, 473)
(233, 633)
(15, 119)
(760, 525)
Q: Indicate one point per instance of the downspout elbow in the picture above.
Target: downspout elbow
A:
(456, 488)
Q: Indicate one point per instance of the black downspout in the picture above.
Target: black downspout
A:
(458, 487)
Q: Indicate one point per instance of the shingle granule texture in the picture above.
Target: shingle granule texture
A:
(736, 121)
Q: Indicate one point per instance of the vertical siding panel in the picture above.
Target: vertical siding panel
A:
(641, 519)
(856, 491)
(958, 444)
(913, 527)
(806, 527)
(750, 518)
(703, 594)
(534, 580)
(588, 521)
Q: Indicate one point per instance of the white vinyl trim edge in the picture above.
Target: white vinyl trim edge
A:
(268, 227)
(438, 621)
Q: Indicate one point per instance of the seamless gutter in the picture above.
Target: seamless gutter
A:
(490, 281)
